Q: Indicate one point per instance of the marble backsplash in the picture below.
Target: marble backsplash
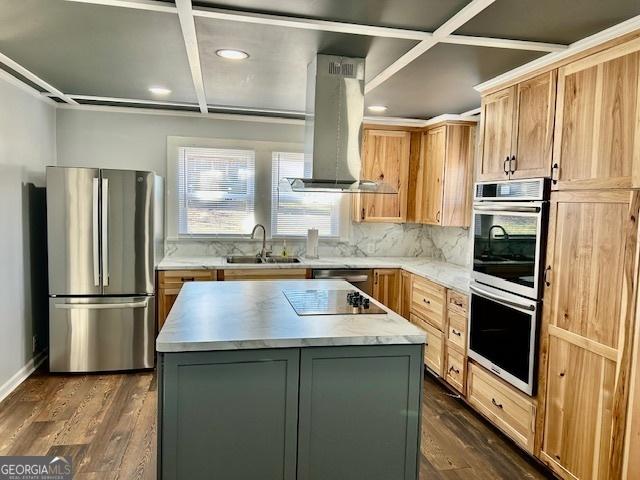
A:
(450, 244)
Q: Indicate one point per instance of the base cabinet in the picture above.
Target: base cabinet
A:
(296, 413)
(386, 287)
(511, 411)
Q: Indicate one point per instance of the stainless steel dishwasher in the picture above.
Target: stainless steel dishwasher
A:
(361, 278)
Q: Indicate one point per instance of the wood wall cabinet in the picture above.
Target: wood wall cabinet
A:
(444, 185)
(169, 284)
(385, 158)
(597, 127)
(386, 287)
(589, 317)
(517, 130)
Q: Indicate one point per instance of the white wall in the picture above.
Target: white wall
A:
(137, 140)
(27, 145)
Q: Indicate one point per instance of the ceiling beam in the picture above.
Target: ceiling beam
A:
(223, 108)
(289, 21)
(149, 5)
(188, 26)
(472, 9)
(32, 77)
(503, 43)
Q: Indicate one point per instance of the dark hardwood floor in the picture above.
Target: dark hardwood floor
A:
(107, 423)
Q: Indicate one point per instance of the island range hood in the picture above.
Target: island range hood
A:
(333, 129)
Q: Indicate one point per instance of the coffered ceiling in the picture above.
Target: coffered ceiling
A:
(423, 56)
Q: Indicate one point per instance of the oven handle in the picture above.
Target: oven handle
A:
(484, 293)
(505, 208)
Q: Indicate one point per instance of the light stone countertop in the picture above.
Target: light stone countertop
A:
(209, 316)
(446, 274)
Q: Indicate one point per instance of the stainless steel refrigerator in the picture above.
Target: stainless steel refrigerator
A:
(104, 230)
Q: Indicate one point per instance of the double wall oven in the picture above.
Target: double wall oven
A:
(510, 222)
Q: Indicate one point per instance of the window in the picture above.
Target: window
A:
(293, 213)
(215, 191)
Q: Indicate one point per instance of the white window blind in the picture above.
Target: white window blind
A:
(216, 191)
(293, 213)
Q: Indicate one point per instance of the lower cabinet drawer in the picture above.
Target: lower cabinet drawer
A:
(230, 274)
(511, 411)
(434, 348)
(428, 300)
(455, 370)
(173, 278)
(457, 331)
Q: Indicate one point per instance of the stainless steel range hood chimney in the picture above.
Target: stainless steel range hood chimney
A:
(333, 128)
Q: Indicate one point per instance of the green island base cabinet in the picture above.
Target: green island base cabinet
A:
(310, 413)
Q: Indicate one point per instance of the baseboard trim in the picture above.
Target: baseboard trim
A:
(22, 374)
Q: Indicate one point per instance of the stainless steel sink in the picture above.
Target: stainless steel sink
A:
(243, 259)
(253, 259)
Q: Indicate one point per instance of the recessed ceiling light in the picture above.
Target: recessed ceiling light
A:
(377, 108)
(159, 90)
(232, 54)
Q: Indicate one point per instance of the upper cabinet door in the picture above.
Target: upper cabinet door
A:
(533, 137)
(434, 149)
(597, 137)
(385, 159)
(496, 130)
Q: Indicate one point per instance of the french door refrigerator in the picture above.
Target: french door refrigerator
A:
(102, 239)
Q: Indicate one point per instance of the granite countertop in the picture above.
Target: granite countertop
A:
(211, 316)
(446, 274)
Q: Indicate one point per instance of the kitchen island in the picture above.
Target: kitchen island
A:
(250, 389)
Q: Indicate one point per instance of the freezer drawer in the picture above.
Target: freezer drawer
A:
(101, 334)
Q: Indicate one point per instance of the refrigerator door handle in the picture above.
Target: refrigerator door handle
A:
(105, 232)
(95, 232)
(103, 306)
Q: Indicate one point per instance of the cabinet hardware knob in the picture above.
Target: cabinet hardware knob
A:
(455, 332)
(499, 405)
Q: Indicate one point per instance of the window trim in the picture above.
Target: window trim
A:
(262, 190)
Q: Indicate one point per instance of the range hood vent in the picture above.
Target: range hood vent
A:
(333, 129)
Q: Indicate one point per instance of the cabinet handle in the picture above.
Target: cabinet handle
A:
(555, 173)
(438, 217)
(426, 301)
(459, 304)
(362, 214)
(499, 405)
(455, 332)
(376, 280)
(504, 166)
(512, 162)
(454, 369)
(187, 279)
(547, 271)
